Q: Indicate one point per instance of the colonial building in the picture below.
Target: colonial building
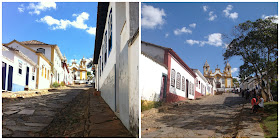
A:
(223, 79)
(18, 70)
(203, 87)
(172, 80)
(44, 65)
(79, 72)
(116, 60)
(53, 54)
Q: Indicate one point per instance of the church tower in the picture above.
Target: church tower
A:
(206, 68)
(228, 69)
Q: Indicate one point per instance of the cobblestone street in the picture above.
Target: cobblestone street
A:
(211, 116)
(73, 112)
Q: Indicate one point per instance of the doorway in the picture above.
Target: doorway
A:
(10, 78)
(163, 87)
(4, 68)
(27, 76)
(187, 88)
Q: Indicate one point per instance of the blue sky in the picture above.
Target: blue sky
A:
(70, 25)
(199, 31)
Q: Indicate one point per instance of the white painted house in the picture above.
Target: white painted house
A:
(152, 78)
(174, 80)
(116, 59)
(203, 87)
(53, 54)
(18, 70)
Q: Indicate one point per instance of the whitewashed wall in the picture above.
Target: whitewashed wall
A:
(25, 51)
(44, 82)
(47, 48)
(178, 68)
(150, 76)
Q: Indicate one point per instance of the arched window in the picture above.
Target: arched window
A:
(178, 82)
(173, 78)
(183, 83)
(41, 50)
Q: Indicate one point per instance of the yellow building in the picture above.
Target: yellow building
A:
(79, 71)
(222, 79)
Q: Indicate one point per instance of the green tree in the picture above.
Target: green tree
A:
(235, 81)
(257, 44)
(88, 73)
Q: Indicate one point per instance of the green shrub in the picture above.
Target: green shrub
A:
(146, 105)
(55, 85)
(62, 83)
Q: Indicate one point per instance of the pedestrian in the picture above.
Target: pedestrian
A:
(258, 104)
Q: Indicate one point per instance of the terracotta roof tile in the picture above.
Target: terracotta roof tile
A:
(33, 42)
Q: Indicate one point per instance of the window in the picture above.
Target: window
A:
(199, 84)
(48, 74)
(223, 81)
(178, 82)
(173, 78)
(41, 50)
(20, 68)
(42, 70)
(33, 77)
(183, 83)
(110, 31)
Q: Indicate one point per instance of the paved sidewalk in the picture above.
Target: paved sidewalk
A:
(86, 116)
(27, 116)
(218, 116)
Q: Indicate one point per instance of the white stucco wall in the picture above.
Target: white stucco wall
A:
(25, 51)
(178, 68)
(19, 80)
(46, 47)
(44, 82)
(150, 76)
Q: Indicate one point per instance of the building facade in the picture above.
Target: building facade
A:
(223, 80)
(175, 80)
(18, 70)
(203, 87)
(116, 60)
(79, 72)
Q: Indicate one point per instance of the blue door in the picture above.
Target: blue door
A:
(4, 67)
(10, 78)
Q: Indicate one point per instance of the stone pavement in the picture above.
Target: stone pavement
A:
(86, 116)
(207, 117)
(25, 117)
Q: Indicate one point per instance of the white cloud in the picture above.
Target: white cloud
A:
(183, 30)
(166, 35)
(191, 42)
(214, 39)
(276, 16)
(42, 6)
(79, 22)
(152, 17)
(212, 16)
(63, 23)
(193, 25)
(205, 8)
(91, 30)
(227, 13)
(233, 70)
(21, 8)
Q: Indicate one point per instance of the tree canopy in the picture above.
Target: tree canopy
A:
(257, 44)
